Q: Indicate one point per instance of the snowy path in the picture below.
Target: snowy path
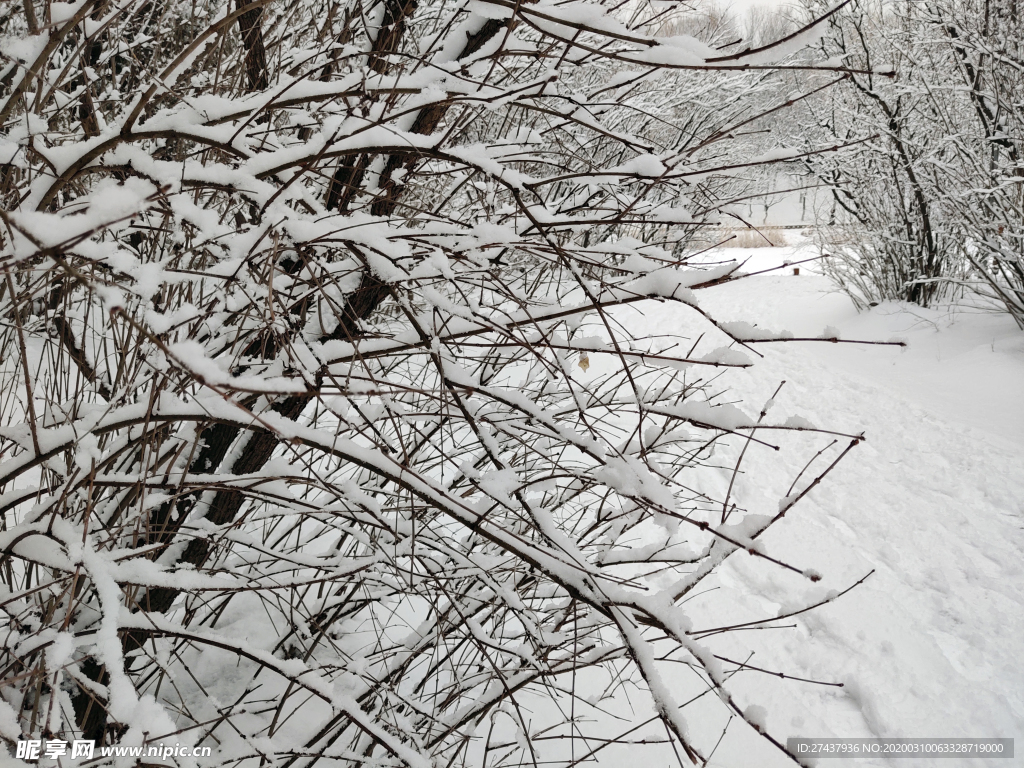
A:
(932, 645)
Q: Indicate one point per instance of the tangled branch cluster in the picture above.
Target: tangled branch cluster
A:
(296, 458)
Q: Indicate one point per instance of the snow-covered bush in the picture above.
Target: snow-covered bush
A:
(325, 437)
(884, 228)
(927, 195)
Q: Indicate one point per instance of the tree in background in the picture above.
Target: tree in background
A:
(983, 161)
(325, 437)
(928, 193)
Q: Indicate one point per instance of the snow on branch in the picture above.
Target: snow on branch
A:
(329, 429)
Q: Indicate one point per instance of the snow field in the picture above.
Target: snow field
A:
(932, 503)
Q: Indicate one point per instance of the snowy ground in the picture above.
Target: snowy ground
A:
(932, 644)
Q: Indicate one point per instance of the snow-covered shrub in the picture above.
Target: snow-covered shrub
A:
(324, 435)
(884, 234)
(927, 193)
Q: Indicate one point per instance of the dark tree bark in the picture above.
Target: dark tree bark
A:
(249, 24)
